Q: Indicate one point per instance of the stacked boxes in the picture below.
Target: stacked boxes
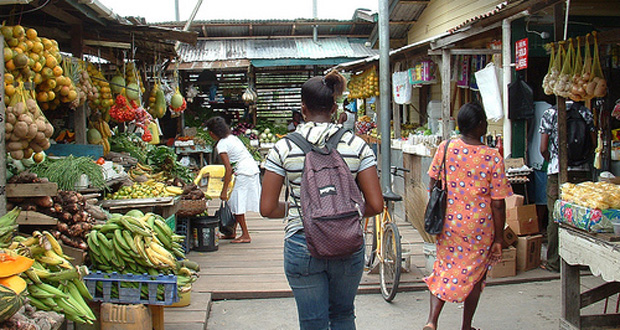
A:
(522, 229)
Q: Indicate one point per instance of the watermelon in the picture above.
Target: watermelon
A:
(10, 303)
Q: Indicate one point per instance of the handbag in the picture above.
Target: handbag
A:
(227, 220)
(436, 207)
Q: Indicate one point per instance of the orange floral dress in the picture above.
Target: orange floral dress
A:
(476, 176)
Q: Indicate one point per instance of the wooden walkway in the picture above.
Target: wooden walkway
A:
(255, 271)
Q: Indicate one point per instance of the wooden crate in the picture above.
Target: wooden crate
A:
(15, 190)
(35, 218)
(78, 255)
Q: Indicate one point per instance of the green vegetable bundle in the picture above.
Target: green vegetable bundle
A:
(66, 172)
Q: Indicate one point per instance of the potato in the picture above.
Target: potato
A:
(39, 137)
(49, 130)
(35, 147)
(20, 130)
(8, 128)
(13, 137)
(28, 153)
(32, 131)
(26, 117)
(19, 108)
(17, 154)
(32, 106)
(11, 146)
(40, 125)
(46, 145)
(10, 118)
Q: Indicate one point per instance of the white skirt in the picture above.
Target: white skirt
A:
(245, 195)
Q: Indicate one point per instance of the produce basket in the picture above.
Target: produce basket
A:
(183, 228)
(128, 288)
(190, 208)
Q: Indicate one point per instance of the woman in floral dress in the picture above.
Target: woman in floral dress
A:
(470, 241)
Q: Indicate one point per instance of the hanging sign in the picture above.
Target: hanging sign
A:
(521, 54)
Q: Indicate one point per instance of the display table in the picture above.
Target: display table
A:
(164, 206)
(576, 248)
(191, 149)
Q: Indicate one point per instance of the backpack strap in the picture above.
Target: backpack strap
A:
(306, 147)
(300, 141)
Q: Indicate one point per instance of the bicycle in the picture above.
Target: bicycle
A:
(382, 242)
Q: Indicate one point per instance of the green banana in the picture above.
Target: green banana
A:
(109, 227)
(76, 296)
(120, 240)
(164, 227)
(102, 239)
(81, 286)
(38, 304)
(37, 292)
(53, 290)
(162, 237)
(130, 241)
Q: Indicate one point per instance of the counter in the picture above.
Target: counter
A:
(602, 256)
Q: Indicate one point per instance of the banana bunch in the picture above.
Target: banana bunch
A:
(54, 284)
(68, 298)
(141, 244)
(8, 226)
(104, 129)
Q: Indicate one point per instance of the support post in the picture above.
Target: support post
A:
(445, 92)
(384, 89)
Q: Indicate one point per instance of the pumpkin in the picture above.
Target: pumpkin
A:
(10, 303)
(14, 283)
(13, 265)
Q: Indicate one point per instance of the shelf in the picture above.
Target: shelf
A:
(31, 189)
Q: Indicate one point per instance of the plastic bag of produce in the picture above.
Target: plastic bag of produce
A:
(554, 70)
(563, 85)
(597, 85)
(577, 92)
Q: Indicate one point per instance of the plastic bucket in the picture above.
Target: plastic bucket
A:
(430, 254)
(616, 228)
(205, 232)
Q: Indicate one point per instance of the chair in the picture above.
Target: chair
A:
(215, 175)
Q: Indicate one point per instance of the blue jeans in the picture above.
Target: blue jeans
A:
(324, 290)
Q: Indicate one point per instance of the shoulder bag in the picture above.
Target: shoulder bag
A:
(436, 207)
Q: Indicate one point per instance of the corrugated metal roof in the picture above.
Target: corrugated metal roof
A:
(302, 48)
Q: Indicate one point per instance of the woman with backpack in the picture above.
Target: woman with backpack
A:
(324, 289)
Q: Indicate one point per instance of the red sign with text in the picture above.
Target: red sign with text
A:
(521, 54)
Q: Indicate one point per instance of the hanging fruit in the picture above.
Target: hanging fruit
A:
(177, 102)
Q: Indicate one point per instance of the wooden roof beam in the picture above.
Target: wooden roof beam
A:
(58, 13)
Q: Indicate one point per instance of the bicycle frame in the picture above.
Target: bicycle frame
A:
(380, 221)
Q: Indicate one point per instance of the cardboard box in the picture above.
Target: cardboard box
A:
(514, 201)
(125, 317)
(508, 266)
(514, 162)
(523, 219)
(528, 252)
(510, 238)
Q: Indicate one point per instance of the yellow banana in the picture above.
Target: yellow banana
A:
(174, 190)
(54, 243)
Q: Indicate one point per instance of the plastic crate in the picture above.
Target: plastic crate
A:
(183, 227)
(130, 295)
(171, 221)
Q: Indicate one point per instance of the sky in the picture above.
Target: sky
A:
(164, 10)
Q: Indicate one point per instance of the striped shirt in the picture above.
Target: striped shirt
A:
(287, 159)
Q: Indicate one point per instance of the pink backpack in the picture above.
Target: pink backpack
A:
(332, 204)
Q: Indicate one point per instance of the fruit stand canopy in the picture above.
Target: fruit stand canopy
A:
(272, 53)
(89, 27)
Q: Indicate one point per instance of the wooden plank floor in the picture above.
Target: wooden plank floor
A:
(255, 270)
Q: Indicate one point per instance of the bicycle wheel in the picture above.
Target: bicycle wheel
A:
(391, 260)
(370, 242)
